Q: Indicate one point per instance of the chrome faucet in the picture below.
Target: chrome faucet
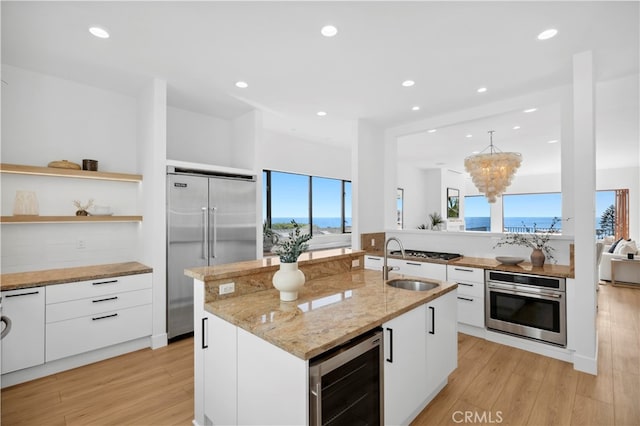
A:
(385, 268)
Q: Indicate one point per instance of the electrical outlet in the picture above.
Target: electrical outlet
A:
(373, 242)
(227, 288)
(81, 244)
(355, 263)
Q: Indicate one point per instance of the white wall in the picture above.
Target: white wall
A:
(47, 118)
(283, 152)
(412, 180)
(198, 138)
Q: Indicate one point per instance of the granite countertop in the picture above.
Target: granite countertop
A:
(236, 269)
(329, 311)
(548, 269)
(20, 280)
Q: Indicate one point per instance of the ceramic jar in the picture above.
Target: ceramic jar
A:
(289, 280)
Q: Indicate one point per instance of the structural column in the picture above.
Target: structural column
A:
(584, 172)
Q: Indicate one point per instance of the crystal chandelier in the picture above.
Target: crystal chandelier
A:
(492, 172)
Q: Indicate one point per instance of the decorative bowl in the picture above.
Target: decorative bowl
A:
(509, 260)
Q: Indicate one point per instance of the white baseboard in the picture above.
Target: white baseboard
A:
(539, 348)
(53, 367)
(159, 341)
(472, 331)
(585, 364)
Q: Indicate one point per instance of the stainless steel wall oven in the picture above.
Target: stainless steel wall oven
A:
(345, 385)
(527, 305)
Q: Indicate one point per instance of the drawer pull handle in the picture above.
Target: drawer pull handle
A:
(22, 294)
(105, 300)
(463, 269)
(106, 316)
(468, 285)
(105, 282)
(465, 298)
(414, 264)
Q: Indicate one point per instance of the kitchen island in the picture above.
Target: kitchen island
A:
(253, 350)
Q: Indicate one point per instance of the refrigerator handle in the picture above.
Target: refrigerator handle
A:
(213, 235)
(204, 233)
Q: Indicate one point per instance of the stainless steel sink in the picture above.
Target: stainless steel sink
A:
(414, 285)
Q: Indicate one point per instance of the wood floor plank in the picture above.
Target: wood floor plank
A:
(493, 376)
(587, 411)
(599, 387)
(554, 403)
(515, 402)
(626, 398)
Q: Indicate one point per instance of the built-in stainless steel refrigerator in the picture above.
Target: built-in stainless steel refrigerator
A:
(211, 219)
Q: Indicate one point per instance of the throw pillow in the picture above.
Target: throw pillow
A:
(613, 246)
(608, 240)
(626, 247)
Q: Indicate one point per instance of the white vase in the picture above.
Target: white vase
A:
(289, 279)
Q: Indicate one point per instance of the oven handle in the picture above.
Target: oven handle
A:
(514, 290)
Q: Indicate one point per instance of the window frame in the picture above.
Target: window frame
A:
(269, 203)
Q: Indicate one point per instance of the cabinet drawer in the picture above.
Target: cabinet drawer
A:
(471, 289)
(463, 273)
(373, 262)
(471, 310)
(97, 305)
(428, 270)
(99, 287)
(78, 335)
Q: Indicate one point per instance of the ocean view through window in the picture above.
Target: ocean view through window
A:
(522, 211)
(322, 206)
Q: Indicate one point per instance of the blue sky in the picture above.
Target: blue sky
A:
(290, 196)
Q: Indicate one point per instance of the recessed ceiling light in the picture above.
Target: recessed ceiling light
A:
(242, 84)
(553, 141)
(516, 127)
(432, 130)
(530, 110)
(329, 31)
(415, 108)
(408, 83)
(99, 32)
(476, 152)
(321, 113)
(469, 136)
(547, 34)
(482, 90)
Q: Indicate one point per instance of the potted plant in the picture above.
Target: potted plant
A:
(534, 238)
(269, 238)
(436, 221)
(289, 279)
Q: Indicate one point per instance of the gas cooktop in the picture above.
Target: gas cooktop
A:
(427, 254)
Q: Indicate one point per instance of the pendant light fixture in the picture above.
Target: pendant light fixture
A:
(492, 172)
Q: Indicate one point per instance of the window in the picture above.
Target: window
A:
(477, 213)
(521, 211)
(320, 205)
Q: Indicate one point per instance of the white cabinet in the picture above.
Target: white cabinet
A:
(442, 340)
(421, 350)
(89, 315)
(23, 346)
(470, 294)
(405, 366)
(220, 369)
(428, 270)
(246, 380)
(373, 262)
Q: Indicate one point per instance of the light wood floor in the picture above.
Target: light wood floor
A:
(503, 384)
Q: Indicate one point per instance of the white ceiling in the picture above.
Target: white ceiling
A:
(449, 48)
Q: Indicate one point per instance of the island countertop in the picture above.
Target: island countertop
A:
(329, 311)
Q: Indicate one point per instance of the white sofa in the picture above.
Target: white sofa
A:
(620, 252)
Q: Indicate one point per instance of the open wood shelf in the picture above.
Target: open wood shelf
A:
(80, 174)
(70, 219)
